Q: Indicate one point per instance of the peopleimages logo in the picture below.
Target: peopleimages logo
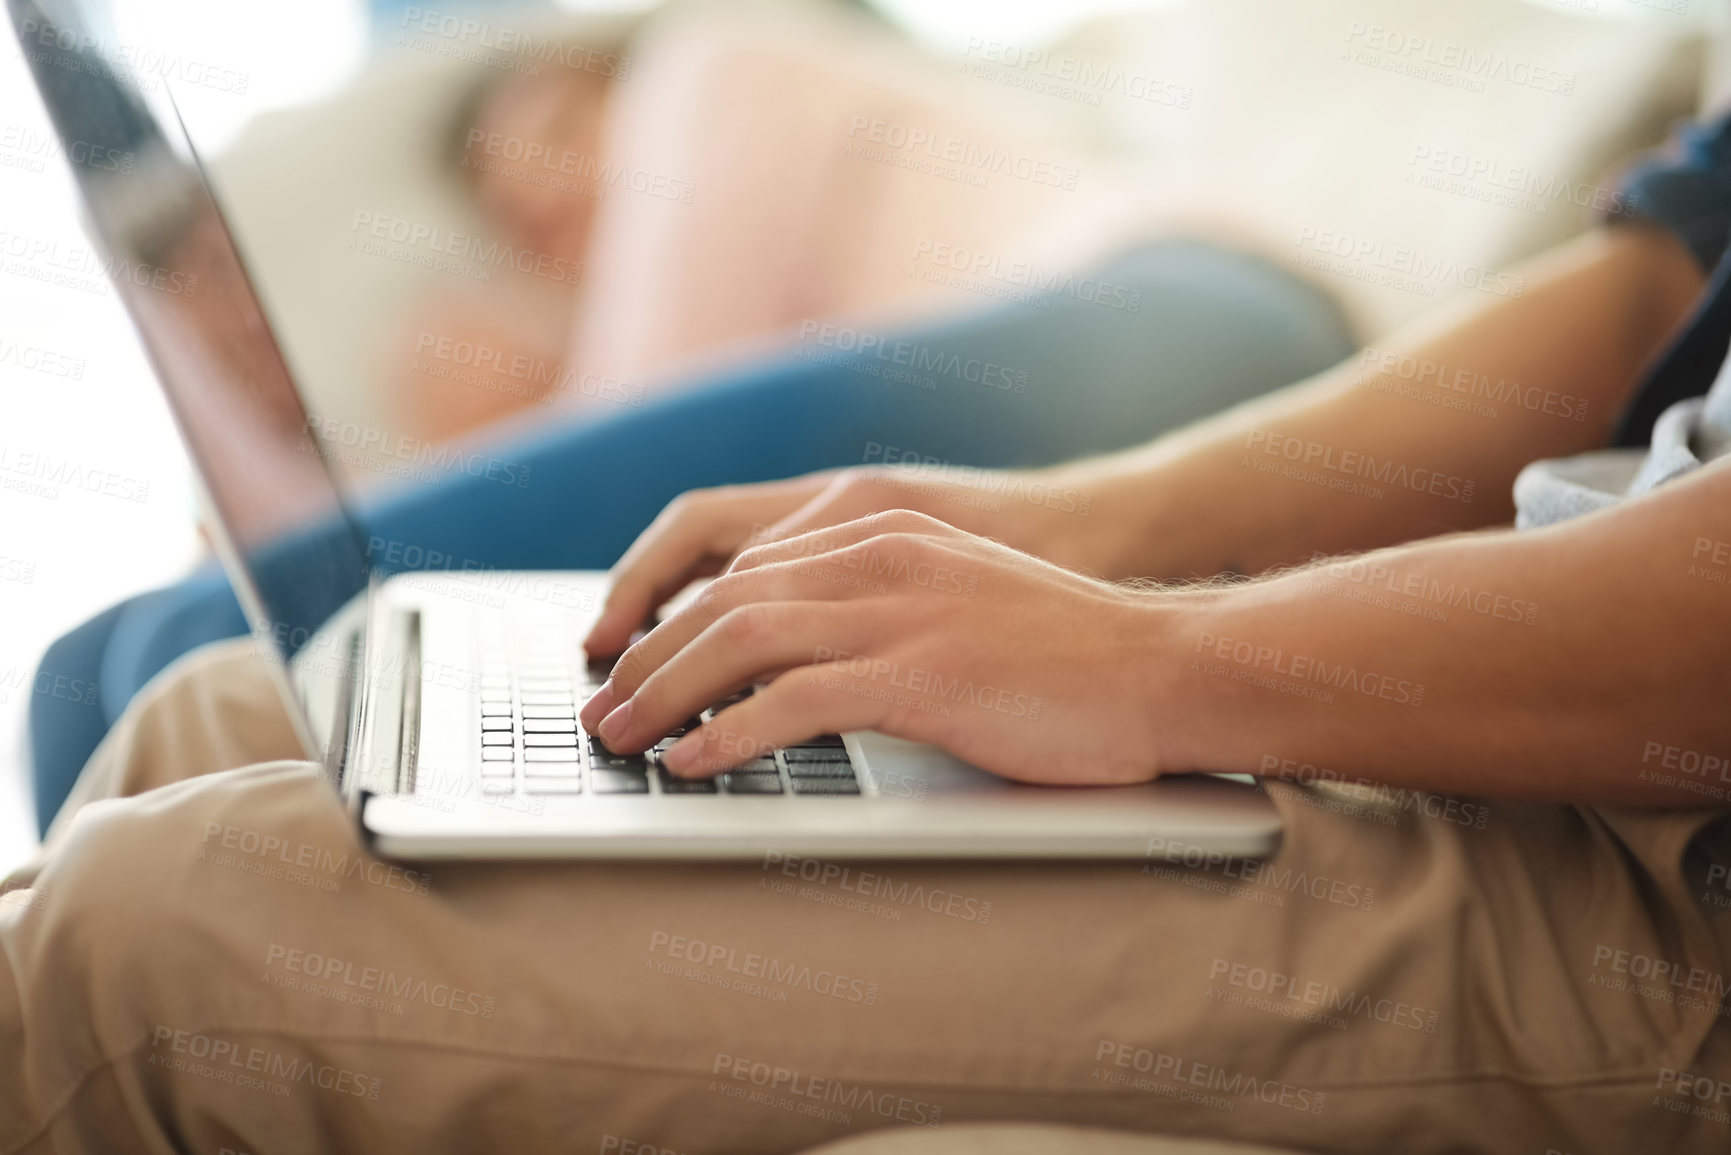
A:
(536, 378)
(1382, 584)
(914, 357)
(543, 165)
(34, 149)
(878, 886)
(51, 473)
(1363, 258)
(435, 242)
(1482, 178)
(1303, 669)
(420, 27)
(1308, 992)
(1454, 387)
(801, 1093)
(1350, 463)
(376, 980)
(72, 51)
(276, 850)
(995, 483)
(910, 146)
(750, 965)
(1068, 77)
(219, 1059)
(338, 434)
(1381, 795)
(1448, 62)
(46, 260)
(945, 258)
(919, 680)
(1177, 1072)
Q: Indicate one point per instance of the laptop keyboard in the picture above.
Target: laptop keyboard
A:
(531, 744)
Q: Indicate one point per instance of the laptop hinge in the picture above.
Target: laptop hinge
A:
(345, 724)
(409, 737)
(385, 712)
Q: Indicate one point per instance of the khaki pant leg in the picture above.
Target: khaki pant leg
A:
(216, 708)
(218, 962)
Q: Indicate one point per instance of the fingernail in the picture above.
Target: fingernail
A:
(599, 703)
(614, 724)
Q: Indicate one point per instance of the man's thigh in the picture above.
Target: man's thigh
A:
(785, 1001)
(220, 962)
(216, 708)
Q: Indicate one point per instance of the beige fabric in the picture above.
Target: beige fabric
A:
(217, 963)
(1028, 1139)
(1313, 128)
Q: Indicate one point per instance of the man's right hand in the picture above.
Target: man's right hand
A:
(701, 531)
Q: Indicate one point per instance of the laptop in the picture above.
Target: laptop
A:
(443, 703)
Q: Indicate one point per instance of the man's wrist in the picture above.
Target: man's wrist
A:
(1190, 708)
(1115, 528)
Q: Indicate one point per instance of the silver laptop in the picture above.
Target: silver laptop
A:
(444, 704)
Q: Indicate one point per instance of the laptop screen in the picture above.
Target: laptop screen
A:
(293, 553)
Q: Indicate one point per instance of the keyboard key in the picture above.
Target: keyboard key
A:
(545, 682)
(550, 712)
(560, 699)
(737, 783)
(552, 785)
(822, 740)
(549, 725)
(829, 786)
(495, 722)
(617, 782)
(497, 754)
(819, 770)
(498, 769)
(795, 754)
(628, 763)
(672, 785)
(497, 786)
(554, 754)
(551, 769)
(496, 738)
(495, 710)
(549, 740)
(757, 766)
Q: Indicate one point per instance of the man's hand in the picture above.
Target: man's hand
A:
(900, 623)
(700, 531)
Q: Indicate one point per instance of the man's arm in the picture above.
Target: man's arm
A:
(1587, 662)
(1420, 435)
(1584, 662)
(1594, 656)
(1468, 397)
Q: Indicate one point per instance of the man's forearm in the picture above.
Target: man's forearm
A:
(1594, 656)
(1418, 436)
